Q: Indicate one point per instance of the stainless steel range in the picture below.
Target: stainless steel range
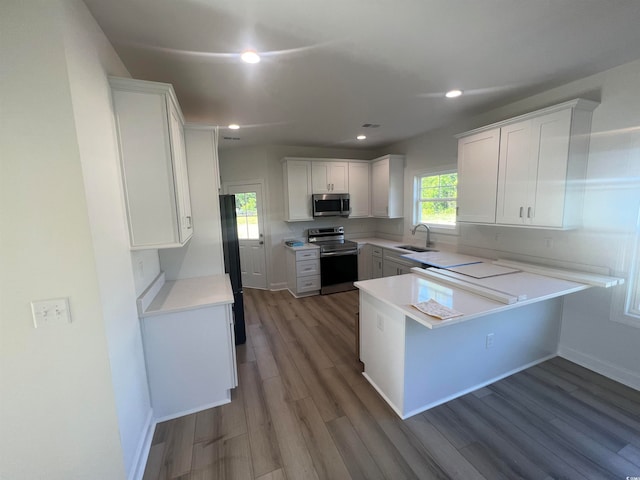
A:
(338, 259)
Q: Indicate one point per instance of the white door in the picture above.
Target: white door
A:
(250, 233)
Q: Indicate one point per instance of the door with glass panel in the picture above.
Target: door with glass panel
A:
(249, 213)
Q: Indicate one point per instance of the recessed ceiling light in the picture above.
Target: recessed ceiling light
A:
(453, 93)
(234, 126)
(361, 137)
(250, 56)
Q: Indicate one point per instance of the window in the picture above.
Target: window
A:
(633, 295)
(247, 216)
(625, 305)
(436, 199)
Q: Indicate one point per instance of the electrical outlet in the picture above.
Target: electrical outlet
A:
(489, 341)
(380, 323)
(140, 269)
(50, 312)
(548, 242)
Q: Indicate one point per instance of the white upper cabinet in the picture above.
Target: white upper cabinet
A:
(542, 159)
(387, 186)
(359, 187)
(153, 159)
(477, 176)
(297, 190)
(330, 177)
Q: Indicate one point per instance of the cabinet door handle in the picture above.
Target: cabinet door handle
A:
(521, 211)
(529, 212)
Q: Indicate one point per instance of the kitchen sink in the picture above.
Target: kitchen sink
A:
(417, 249)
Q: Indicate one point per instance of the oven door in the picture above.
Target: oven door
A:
(338, 271)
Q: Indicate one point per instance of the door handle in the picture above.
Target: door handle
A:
(261, 242)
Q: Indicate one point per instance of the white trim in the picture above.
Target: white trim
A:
(263, 215)
(432, 172)
(196, 409)
(614, 372)
(577, 104)
(144, 446)
(424, 408)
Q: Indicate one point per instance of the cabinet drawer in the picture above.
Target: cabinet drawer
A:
(307, 254)
(307, 267)
(376, 251)
(308, 284)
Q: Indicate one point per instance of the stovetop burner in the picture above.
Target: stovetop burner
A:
(330, 239)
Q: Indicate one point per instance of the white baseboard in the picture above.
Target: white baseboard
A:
(142, 452)
(278, 286)
(609, 370)
(453, 396)
(196, 409)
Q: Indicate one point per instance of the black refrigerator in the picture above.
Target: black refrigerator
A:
(231, 250)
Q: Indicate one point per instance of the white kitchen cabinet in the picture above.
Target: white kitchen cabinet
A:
(387, 186)
(189, 344)
(330, 177)
(541, 168)
(394, 264)
(153, 160)
(478, 176)
(359, 189)
(376, 261)
(303, 271)
(297, 190)
(364, 261)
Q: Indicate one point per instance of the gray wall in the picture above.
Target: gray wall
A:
(252, 163)
(590, 333)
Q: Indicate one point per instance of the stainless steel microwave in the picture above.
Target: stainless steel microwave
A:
(331, 205)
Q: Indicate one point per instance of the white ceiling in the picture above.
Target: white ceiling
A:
(337, 64)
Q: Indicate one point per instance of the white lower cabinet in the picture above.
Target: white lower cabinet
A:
(190, 357)
(364, 262)
(394, 264)
(303, 271)
(376, 261)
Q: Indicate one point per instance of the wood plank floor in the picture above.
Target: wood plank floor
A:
(303, 411)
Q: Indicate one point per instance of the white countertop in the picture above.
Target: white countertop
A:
(392, 244)
(306, 246)
(185, 294)
(402, 291)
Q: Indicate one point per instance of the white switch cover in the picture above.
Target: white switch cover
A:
(50, 312)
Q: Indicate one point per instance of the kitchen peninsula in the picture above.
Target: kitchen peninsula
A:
(416, 361)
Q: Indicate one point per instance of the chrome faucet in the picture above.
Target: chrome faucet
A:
(413, 232)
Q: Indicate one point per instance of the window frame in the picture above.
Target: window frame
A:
(435, 227)
(627, 295)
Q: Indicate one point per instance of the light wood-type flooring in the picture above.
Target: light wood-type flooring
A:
(304, 411)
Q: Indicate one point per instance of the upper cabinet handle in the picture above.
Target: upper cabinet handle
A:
(521, 211)
(529, 212)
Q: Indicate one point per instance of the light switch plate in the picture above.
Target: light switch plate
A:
(50, 312)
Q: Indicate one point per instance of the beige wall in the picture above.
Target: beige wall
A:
(73, 398)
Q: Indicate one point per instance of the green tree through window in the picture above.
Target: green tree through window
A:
(436, 197)
(247, 216)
